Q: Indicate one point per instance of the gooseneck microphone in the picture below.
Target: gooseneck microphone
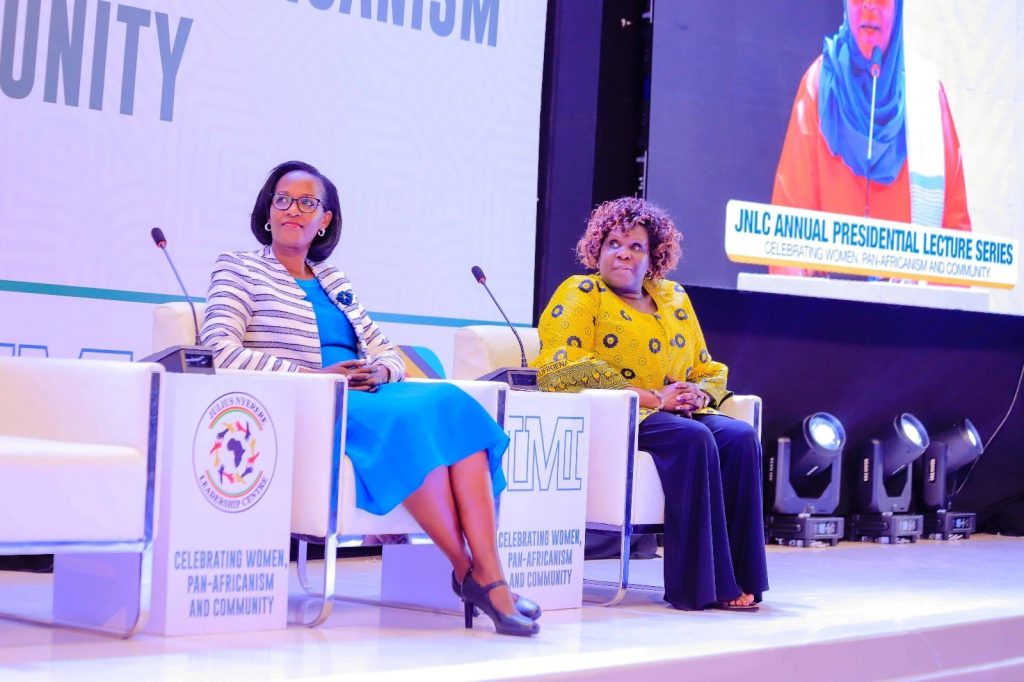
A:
(876, 71)
(522, 377)
(161, 242)
(188, 359)
(480, 277)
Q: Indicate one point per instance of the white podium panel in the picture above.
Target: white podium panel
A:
(543, 509)
(223, 511)
(221, 556)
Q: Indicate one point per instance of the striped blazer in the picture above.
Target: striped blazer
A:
(258, 318)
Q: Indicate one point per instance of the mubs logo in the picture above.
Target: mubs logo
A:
(234, 453)
(536, 462)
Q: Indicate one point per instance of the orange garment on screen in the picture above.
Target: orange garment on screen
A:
(809, 176)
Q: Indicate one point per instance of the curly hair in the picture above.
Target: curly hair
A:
(621, 216)
(322, 246)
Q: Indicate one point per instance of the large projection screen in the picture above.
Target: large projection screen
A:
(724, 78)
(116, 117)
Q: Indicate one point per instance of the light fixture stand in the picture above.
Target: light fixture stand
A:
(799, 518)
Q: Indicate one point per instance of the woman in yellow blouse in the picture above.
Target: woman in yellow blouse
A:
(627, 327)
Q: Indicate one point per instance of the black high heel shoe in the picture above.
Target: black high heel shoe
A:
(475, 595)
(525, 606)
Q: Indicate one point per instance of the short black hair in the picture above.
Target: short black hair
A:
(322, 247)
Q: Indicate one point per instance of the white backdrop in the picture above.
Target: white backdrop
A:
(429, 131)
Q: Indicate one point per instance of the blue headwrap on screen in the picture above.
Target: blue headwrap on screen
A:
(844, 103)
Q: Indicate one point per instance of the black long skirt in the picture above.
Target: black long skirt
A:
(710, 469)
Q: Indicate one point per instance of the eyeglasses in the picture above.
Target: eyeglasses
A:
(283, 202)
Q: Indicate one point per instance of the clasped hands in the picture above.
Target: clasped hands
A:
(362, 376)
(682, 397)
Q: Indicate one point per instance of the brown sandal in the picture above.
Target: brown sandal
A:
(726, 606)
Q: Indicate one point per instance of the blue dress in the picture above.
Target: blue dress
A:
(399, 434)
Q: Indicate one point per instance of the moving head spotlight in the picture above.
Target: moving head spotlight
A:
(803, 483)
(884, 480)
(949, 452)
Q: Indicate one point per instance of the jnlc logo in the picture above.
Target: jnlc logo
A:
(234, 453)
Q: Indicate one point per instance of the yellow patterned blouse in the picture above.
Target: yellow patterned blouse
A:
(591, 338)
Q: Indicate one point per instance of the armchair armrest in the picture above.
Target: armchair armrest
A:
(745, 408)
(86, 401)
(614, 415)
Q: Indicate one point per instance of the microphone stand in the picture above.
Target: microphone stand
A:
(196, 359)
(522, 348)
(188, 299)
(522, 378)
(876, 70)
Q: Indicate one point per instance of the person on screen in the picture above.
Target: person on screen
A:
(627, 327)
(426, 445)
(915, 173)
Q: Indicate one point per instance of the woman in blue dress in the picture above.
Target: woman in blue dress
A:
(428, 446)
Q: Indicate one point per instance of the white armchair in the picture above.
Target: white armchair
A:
(624, 493)
(78, 461)
(323, 485)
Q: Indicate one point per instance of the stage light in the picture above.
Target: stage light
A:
(962, 445)
(884, 482)
(904, 443)
(948, 452)
(826, 431)
(803, 482)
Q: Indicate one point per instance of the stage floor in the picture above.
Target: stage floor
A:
(953, 610)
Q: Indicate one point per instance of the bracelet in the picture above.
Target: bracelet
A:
(661, 400)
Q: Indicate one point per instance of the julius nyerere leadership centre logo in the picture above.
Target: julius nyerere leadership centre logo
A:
(234, 453)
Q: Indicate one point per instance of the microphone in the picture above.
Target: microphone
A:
(876, 70)
(876, 62)
(161, 242)
(482, 279)
(522, 377)
(191, 359)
